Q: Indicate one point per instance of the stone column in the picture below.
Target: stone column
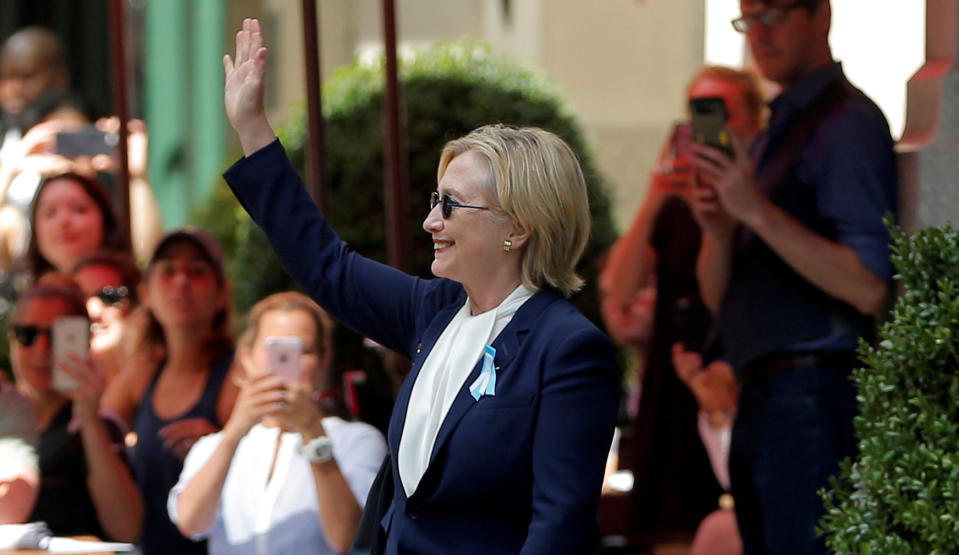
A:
(929, 149)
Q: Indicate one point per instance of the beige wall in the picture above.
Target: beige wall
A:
(623, 64)
(284, 35)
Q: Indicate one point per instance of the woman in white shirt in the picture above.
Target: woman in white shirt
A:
(282, 476)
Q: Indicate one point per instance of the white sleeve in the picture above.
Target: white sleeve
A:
(198, 456)
(359, 450)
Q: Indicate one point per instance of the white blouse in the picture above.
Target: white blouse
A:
(443, 376)
(278, 514)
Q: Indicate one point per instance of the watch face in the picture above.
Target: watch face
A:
(319, 449)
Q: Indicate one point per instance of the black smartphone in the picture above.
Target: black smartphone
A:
(708, 118)
(86, 142)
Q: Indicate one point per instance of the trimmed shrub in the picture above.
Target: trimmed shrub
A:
(901, 493)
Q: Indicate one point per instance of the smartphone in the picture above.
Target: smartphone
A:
(283, 356)
(708, 119)
(87, 142)
(71, 334)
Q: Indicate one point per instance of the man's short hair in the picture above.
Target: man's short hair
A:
(809, 5)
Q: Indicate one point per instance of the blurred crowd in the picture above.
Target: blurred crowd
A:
(100, 426)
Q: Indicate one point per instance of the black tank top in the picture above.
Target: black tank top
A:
(157, 469)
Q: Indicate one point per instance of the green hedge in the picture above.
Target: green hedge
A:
(901, 493)
(446, 91)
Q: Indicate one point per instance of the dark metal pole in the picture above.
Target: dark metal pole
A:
(397, 238)
(396, 204)
(121, 105)
(316, 144)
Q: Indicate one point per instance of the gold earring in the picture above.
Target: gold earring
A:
(507, 245)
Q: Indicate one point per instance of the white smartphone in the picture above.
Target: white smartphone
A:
(283, 356)
(71, 334)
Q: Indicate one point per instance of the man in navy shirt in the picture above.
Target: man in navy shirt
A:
(795, 263)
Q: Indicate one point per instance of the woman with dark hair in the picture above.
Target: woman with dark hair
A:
(253, 484)
(177, 388)
(72, 217)
(86, 486)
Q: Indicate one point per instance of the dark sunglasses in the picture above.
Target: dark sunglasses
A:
(111, 295)
(27, 335)
(449, 204)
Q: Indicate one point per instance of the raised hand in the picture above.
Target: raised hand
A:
(714, 386)
(630, 324)
(136, 147)
(89, 376)
(709, 212)
(243, 88)
(261, 395)
(301, 412)
(732, 179)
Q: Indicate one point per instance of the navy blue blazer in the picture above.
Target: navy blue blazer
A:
(519, 471)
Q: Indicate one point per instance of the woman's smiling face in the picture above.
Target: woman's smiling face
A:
(467, 246)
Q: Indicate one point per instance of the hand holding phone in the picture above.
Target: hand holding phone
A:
(89, 141)
(71, 334)
(674, 173)
(283, 356)
(682, 142)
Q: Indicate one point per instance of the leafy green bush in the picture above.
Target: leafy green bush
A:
(446, 91)
(901, 494)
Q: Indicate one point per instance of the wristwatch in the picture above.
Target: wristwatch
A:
(318, 449)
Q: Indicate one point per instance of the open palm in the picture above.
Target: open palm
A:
(243, 88)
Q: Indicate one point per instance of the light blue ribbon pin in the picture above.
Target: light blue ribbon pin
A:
(485, 383)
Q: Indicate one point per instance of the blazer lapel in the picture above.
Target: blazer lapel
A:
(398, 418)
(507, 345)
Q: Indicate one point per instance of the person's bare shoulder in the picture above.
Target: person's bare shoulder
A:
(124, 393)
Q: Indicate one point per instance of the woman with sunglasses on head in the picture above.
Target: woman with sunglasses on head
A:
(109, 280)
(178, 390)
(86, 486)
(284, 475)
(500, 432)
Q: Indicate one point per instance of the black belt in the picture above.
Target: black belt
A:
(768, 367)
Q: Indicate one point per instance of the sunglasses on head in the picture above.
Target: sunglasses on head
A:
(111, 295)
(27, 335)
(449, 204)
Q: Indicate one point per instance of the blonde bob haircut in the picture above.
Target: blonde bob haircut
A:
(536, 179)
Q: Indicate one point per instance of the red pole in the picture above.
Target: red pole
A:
(397, 239)
(121, 105)
(316, 145)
